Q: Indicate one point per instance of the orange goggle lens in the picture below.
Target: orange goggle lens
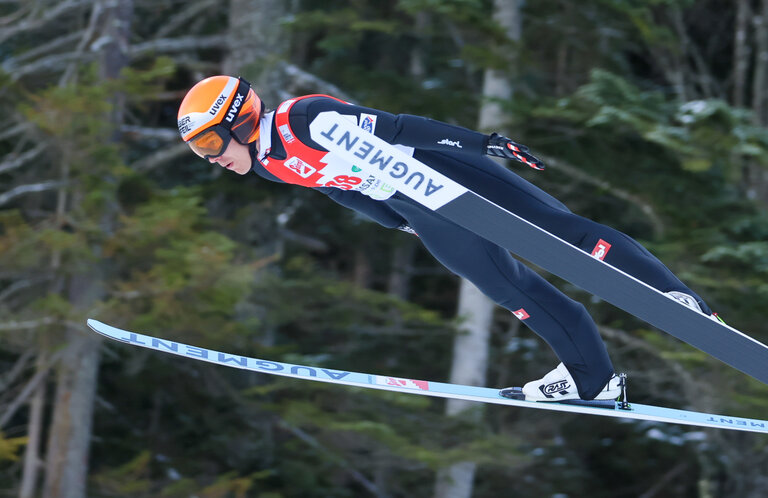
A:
(208, 144)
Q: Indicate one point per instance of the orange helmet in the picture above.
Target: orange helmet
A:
(217, 109)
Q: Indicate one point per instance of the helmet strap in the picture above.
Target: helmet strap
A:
(234, 107)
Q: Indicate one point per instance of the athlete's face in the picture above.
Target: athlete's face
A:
(235, 158)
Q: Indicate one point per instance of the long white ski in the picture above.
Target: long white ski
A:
(423, 387)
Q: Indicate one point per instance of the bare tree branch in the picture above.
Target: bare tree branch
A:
(163, 155)
(28, 324)
(181, 44)
(18, 129)
(57, 44)
(574, 172)
(143, 132)
(26, 189)
(14, 16)
(662, 485)
(16, 370)
(693, 389)
(28, 389)
(181, 20)
(301, 82)
(87, 36)
(52, 63)
(343, 463)
(18, 285)
(13, 161)
(49, 14)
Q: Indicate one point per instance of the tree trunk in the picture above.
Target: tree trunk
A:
(755, 175)
(398, 283)
(740, 53)
(760, 75)
(32, 461)
(470, 359)
(470, 347)
(67, 460)
(257, 45)
(70, 430)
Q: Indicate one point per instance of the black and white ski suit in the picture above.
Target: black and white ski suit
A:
(458, 153)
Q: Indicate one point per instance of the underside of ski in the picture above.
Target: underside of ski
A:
(621, 409)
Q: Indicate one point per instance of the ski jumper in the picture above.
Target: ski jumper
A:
(288, 154)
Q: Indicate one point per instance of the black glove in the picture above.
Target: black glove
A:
(503, 147)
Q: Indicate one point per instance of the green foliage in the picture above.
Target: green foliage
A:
(9, 447)
(129, 479)
(701, 134)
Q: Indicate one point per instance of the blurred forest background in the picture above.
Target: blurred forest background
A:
(651, 115)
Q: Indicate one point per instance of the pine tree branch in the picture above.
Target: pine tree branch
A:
(25, 393)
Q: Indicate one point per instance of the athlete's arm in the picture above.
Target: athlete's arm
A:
(404, 129)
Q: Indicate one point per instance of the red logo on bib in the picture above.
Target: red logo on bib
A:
(601, 249)
(521, 314)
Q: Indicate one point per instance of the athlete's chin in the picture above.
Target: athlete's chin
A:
(241, 170)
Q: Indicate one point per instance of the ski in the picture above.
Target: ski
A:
(352, 144)
(426, 388)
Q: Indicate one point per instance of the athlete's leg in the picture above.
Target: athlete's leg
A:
(562, 322)
(533, 204)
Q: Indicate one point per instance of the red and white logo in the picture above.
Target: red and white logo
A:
(601, 249)
(299, 167)
(521, 314)
(404, 383)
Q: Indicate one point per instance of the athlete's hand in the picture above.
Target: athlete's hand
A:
(503, 147)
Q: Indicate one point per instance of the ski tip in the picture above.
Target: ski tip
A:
(93, 324)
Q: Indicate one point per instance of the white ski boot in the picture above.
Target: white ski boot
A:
(558, 385)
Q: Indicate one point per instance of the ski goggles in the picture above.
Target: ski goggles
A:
(211, 143)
